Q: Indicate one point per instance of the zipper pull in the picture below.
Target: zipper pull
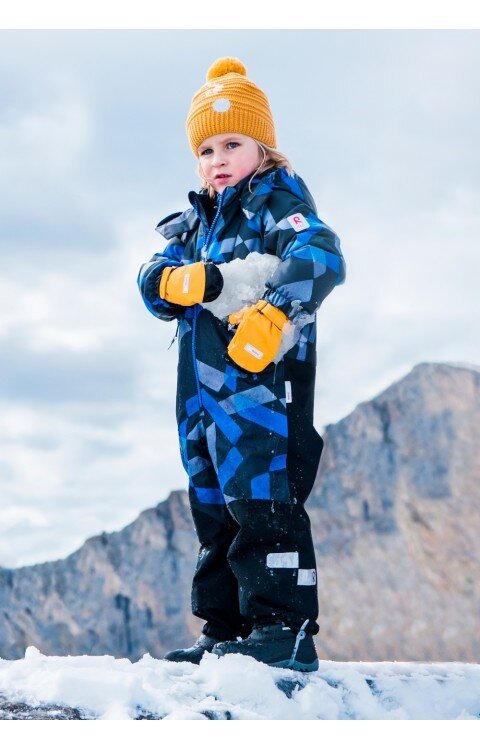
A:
(176, 334)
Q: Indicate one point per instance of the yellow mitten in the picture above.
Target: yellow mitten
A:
(258, 336)
(183, 285)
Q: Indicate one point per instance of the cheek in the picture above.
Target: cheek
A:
(246, 162)
(204, 167)
(254, 158)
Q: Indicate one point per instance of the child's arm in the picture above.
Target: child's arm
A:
(149, 279)
(311, 266)
(312, 261)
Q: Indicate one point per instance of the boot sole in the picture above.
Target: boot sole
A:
(183, 661)
(297, 665)
(170, 657)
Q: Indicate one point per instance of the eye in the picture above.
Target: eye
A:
(202, 153)
(233, 143)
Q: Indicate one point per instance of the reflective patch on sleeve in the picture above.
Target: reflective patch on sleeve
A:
(282, 560)
(298, 222)
(306, 577)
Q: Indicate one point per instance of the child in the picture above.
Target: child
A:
(245, 390)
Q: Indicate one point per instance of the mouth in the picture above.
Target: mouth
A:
(222, 176)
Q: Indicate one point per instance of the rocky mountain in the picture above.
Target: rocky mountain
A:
(123, 593)
(395, 513)
(396, 519)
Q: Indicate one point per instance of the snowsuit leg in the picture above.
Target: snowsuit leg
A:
(214, 586)
(272, 555)
(214, 595)
(273, 559)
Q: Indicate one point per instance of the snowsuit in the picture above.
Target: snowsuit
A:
(247, 440)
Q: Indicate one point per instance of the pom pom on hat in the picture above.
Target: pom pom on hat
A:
(225, 65)
(229, 102)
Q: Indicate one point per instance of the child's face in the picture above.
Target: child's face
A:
(226, 158)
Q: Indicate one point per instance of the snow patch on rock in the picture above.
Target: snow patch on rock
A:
(237, 687)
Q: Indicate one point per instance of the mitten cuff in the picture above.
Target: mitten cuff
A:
(213, 282)
(274, 314)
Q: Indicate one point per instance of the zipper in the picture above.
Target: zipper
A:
(203, 254)
(210, 230)
(204, 249)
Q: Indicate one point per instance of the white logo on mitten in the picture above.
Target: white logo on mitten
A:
(253, 351)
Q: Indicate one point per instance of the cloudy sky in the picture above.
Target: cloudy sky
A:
(383, 126)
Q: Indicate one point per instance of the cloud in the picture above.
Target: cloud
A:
(381, 125)
(47, 140)
(45, 143)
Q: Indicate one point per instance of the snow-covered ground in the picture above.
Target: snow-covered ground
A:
(234, 687)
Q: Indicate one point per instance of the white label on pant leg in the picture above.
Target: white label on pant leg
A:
(252, 350)
(186, 283)
(282, 560)
(288, 392)
(306, 577)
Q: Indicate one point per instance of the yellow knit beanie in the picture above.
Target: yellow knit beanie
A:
(229, 102)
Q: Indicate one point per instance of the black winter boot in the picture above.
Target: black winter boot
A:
(194, 653)
(276, 645)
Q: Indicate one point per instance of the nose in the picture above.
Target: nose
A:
(218, 159)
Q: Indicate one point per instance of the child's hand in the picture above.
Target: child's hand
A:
(190, 284)
(258, 336)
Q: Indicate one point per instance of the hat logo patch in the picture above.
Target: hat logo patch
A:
(221, 105)
(298, 222)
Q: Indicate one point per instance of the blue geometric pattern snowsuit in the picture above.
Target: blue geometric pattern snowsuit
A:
(250, 452)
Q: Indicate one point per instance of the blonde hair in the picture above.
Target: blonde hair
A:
(272, 157)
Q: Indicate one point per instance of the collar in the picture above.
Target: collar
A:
(240, 190)
(261, 187)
